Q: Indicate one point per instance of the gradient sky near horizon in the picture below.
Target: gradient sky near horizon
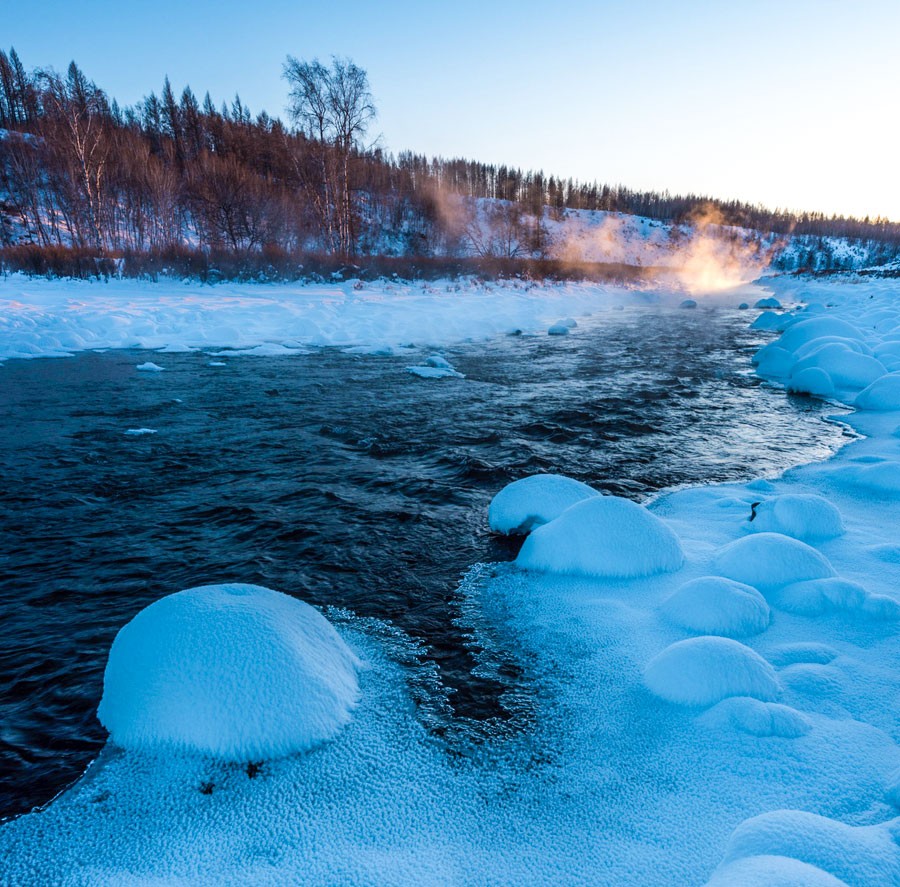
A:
(792, 104)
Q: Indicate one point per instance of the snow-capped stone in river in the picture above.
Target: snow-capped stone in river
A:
(704, 671)
(770, 302)
(688, 303)
(533, 501)
(433, 372)
(439, 361)
(558, 329)
(606, 537)
(149, 367)
(239, 672)
(714, 605)
(770, 560)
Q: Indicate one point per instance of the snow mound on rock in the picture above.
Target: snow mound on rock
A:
(846, 367)
(816, 597)
(704, 671)
(533, 501)
(770, 560)
(757, 718)
(239, 672)
(857, 855)
(714, 605)
(883, 394)
(603, 536)
(801, 515)
(813, 380)
(772, 322)
(815, 328)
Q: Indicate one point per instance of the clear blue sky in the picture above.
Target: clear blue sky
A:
(793, 103)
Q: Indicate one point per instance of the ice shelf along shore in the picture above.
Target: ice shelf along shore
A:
(56, 318)
(716, 678)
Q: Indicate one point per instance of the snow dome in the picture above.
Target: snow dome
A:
(801, 515)
(704, 671)
(603, 536)
(240, 672)
(531, 501)
(715, 605)
(770, 560)
(882, 394)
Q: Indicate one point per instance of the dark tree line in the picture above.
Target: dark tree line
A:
(174, 172)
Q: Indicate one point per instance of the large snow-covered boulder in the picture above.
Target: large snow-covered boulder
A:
(715, 605)
(801, 515)
(770, 560)
(603, 536)
(239, 672)
(533, 501)
(704, 671)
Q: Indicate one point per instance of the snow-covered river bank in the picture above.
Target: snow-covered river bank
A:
(670, 728)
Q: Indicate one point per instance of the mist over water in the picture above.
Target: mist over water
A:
(338, 478)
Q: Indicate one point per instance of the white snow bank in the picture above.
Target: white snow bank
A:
(603, 536)
(240, 672)
(41, 318)
(532, 501)
(802, 515)
(703, 671)
(713, 605)
(770, 560)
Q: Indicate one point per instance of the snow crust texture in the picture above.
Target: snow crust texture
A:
(239, 672)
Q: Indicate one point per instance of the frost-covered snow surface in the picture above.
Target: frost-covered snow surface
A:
(679, 736)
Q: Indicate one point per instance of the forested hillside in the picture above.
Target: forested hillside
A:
(178, 178)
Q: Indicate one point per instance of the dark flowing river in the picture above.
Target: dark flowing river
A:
(341, 479)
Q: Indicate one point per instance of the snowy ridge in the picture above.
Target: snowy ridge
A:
(664, 751)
